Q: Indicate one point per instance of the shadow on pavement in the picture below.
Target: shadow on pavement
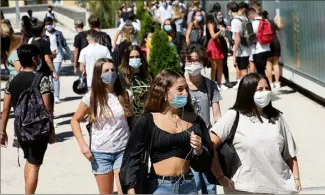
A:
(67, 71)
(61, 137)
(71, 98)
(64, 115)
(66, 122)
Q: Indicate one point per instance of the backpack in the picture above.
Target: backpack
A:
(248, 37)
(33, 123)
(105, 40)
(208, 84)
(195, 36)
(264, 33)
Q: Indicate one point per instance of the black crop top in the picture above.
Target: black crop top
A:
(163, 146)
(167, 145)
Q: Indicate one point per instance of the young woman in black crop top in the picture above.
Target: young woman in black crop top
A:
(173, 135)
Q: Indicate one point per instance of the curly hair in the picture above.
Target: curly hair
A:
(156, 100)
(194, 48)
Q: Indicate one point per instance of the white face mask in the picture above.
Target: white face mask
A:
(262, 98)
(193, 69)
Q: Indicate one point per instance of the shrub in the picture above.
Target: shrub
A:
(163, 55)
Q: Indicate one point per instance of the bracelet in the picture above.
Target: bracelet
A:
(221, 177)
(297, 178)
(4, 134)
(198, 153)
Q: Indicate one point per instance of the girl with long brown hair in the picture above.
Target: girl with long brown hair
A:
(135, 76)
(172, 135)
(107, 106)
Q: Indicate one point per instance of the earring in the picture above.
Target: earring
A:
(165, 98)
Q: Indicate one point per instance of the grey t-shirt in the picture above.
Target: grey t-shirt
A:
(201, 99)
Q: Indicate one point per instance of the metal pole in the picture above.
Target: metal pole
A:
(17, 13)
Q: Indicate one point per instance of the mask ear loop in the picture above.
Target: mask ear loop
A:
(182, 176)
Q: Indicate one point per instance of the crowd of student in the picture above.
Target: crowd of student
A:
(135, 116)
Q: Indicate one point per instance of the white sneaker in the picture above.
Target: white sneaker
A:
(277, 85)
(222, 87)
(57, 100)
(237, 85)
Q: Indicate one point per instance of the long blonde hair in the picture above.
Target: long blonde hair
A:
(176, 11)
(128, 32)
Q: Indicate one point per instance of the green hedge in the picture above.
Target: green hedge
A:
(163, 55)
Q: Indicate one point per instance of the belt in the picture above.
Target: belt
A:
(186, 176)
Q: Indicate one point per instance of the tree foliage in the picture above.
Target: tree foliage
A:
(163, 55)
(106, 10)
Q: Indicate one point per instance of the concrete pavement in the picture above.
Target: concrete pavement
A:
(66, 171)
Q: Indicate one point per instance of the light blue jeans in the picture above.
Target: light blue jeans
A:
(178, 186)
(57, 66)
(202, 184)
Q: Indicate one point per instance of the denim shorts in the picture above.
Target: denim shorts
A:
(104, 163)
(177, 186)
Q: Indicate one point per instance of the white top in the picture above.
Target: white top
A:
(259, 48)
(89, 56)
(263, 149)
(164, 13)
(54, 47)
(137, 27)
(237, 26)
(53, 43)
(109, 135)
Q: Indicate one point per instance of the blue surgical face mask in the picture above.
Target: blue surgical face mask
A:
(179, 101)
(168, 28)
(49, 27)
(199, 18)
(164, 4)
(135, 62)
(109, 77)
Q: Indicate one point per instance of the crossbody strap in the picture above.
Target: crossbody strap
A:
(234, 128)
(37, 79)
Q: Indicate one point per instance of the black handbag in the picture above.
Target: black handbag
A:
(228, 157)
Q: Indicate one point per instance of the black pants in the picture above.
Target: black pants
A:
(225, 59)
(260, 61)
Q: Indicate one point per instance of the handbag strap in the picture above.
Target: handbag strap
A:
(234, 128)
(149, 135)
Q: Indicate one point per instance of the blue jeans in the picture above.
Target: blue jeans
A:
(104, 163)
(57, 66)
(202, 184)
(178, 186)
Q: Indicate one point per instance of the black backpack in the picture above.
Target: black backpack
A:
(105, 40)
(33, 123)
(248, 36)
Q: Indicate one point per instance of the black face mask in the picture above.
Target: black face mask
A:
(50, 11)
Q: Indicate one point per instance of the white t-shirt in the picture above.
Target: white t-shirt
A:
(259, 48)
(89, 56)
(237, 26)
(263, 149)
(54, 47)
(53, 43)
(109, 135)
(164, 13)
(137, 27)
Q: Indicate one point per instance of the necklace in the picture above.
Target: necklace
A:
(175, 122)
